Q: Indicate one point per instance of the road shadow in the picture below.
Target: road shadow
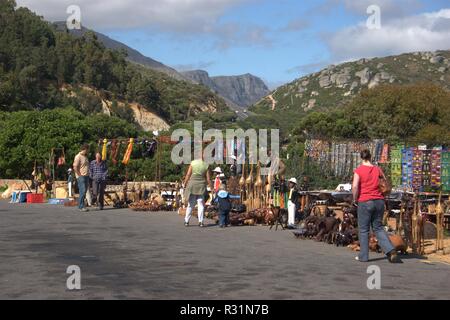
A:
(409, 256)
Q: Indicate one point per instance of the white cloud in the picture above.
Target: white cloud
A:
(238, 35)
(424, 32)
(167, 15)
(389, 8)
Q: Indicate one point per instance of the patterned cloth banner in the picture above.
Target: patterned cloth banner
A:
(445, 174)
(344, 157)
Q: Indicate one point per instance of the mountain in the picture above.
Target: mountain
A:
(243, 90)
(337, 85)
(45, 67)
(133, 55)
(239, 92)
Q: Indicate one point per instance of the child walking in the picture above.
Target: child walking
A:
(223, 200)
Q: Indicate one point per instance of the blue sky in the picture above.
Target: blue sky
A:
(278, 41)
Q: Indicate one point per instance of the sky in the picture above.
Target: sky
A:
(276, 40)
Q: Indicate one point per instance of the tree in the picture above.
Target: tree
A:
(27, 136)
(393, 112)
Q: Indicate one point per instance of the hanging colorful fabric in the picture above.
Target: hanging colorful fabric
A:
(385, 154)
(114, 151)
(276, 202)
(126, 158)
(105, 143)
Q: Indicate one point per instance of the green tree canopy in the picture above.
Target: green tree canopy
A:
(397, 113)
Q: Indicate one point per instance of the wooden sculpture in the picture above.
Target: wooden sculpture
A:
(249, 189)
(268, 191)
(439, 226)
(258, 190)
(417, 228)
(400, 222)
(242, 184)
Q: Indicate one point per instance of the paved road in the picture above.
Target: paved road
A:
(128, 255)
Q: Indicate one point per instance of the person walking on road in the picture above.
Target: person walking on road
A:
(370, 203)
(81, 168)
(223, 201)
(98, 172)
(196, 181)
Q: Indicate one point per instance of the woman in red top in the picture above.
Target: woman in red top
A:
(371, 208)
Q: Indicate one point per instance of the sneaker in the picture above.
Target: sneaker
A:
(186, 224)
(394, 258)
(358, 259)
(201, 225)
(84, 210)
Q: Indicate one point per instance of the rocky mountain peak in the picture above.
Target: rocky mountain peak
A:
(336, 84)
(242, 90)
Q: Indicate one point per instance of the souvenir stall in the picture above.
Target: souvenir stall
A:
(417, 212)
(139, 195)
(343, 157)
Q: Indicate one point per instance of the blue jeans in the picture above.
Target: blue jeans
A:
(371, 213)
(224, 218)
(83, 185)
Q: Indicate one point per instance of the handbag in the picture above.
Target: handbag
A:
(383, 185)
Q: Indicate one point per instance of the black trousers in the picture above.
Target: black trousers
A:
(98, 192)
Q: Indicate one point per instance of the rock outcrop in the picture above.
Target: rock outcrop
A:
(243, 90)
(337, 84)
(147, 120)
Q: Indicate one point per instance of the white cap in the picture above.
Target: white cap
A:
(233, 157)
(293, 180)
(217, 170)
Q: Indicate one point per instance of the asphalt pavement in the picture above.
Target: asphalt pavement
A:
(123, 254)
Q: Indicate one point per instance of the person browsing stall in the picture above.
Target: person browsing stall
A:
(370, 203)
(98, 172)
(81, 168)
(293, 202)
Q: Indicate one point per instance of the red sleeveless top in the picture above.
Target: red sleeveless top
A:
(368, 183)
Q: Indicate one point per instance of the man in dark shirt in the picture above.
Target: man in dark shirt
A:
(98, 171)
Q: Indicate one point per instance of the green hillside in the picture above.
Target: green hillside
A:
(336, 86)
(36, 61)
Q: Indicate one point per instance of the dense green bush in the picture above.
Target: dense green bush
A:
(29, 136)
